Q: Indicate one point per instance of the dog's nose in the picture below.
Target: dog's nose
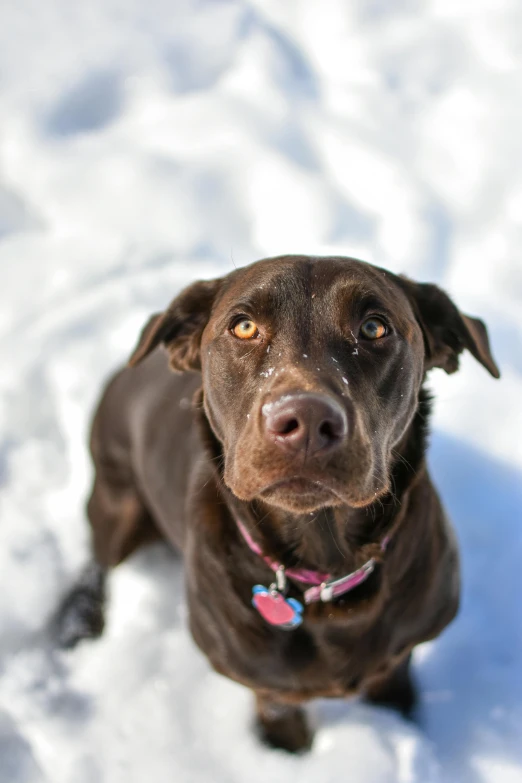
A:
(305, 421)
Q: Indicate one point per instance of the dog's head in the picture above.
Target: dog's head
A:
(311, 371)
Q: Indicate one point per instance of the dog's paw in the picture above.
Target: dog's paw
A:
(81, 614)
(288, 730)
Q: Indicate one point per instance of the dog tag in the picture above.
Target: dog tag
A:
(285, 613)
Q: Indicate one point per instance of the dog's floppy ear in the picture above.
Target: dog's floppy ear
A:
(447, 332)
(179, 327)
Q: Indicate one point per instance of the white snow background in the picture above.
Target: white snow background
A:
(147, 144)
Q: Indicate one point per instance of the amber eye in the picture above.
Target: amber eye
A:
(245, 329)
(374, 329)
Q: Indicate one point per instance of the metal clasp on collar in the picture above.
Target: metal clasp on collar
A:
(280, 583)
(326, 591)
(348, 582)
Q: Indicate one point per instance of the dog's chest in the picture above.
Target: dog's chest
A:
(319, 658)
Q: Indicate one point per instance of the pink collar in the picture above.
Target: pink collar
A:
(324, 587)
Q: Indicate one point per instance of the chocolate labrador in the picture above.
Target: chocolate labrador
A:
(285, 457)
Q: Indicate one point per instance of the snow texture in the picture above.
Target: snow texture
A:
(146, 144)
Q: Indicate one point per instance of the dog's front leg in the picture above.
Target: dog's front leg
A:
(282, 725)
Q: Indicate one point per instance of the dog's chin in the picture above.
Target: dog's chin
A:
(302, 495)
(299, 495)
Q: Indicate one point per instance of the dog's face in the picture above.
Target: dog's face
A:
(311, 372)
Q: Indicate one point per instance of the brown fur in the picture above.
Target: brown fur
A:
(185, 455)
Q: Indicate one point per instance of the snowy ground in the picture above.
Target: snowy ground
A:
(145, 144)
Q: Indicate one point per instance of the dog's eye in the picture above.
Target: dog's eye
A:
(245, 329)
(373, 329)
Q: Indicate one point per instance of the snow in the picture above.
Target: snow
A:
(143, 145)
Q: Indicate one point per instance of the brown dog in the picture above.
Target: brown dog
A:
(294, 440)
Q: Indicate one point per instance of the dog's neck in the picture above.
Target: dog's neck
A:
(333, 539)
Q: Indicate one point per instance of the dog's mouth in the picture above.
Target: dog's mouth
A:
(296, 484)
(298, 493)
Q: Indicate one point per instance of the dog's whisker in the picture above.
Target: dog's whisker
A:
(247, 354)
(403, 459)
